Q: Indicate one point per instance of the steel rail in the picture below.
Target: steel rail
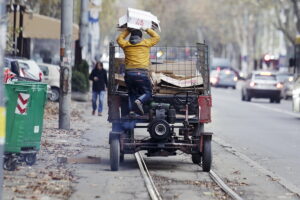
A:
(223, 186)
(153, 192)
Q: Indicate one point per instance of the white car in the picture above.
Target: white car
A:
(51, 77)
(296, 95)
(30, 69)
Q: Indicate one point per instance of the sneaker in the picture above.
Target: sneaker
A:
(99, 114)
(132, 114)
(93, 113)
(139, 105)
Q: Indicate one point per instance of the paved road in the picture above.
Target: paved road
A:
(267, 133)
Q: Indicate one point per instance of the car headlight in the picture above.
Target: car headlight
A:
(279, 85)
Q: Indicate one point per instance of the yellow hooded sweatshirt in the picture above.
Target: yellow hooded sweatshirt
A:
(137, 56)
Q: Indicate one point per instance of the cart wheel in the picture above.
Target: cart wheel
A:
(114, 154)
(196, 158)
(10, 164)
(207, 156)
(30, 159)
(121, 157)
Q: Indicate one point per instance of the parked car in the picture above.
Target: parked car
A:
(296, 95)
(13, 65)
(262, 84)
(51, 77)
(223, 78)
(287, 80)
(26, 69)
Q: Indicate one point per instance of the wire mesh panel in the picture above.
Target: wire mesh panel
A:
(172, 69)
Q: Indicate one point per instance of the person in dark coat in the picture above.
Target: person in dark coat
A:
(99, 78)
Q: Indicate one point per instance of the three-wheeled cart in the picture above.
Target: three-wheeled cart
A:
(175, 117)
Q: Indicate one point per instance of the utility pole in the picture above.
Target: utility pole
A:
(2, 103)
(65, 63)
(81, 45)
(84, 23)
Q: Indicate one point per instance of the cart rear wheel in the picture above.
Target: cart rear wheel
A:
(121, 157)
(196, 158)
(114, 154)
(207, 156)
(30, 158)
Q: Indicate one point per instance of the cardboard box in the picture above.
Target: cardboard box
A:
(137, 19)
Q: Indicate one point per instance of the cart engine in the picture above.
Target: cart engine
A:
(161, 115)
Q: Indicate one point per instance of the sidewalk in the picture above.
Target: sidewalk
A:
(93, 168)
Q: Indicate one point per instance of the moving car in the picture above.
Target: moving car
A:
(296, 95)
(51, 77)
(223, 78)
(222, 64)
(287, 80)
(262, 84)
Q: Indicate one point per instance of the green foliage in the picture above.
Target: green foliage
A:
(80, 77)
(52, 8)
(9, 39)
(83, 67)
(108, 18)
(79, 82)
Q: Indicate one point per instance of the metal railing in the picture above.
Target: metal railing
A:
(177, 68)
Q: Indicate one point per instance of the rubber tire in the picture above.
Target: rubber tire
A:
(121, 157)
(207, 155)
(56, 96)
(277, 100)
(114, 154)
(233, 87)
(152, 126)
(272, 100)
(196, 158)
(10, 164)
(30, 159)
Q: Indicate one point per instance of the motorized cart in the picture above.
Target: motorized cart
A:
(175, 117)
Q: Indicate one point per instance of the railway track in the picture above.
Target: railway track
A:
(155, 195)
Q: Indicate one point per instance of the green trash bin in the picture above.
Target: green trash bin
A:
(24, 121)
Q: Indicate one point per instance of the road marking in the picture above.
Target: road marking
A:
(286, 184)
(277, 110)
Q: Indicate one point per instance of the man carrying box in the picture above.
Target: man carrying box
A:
(137, 61)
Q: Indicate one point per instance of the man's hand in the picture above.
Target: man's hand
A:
(96, 78)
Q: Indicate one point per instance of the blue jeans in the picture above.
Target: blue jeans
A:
(139, 87)
(94, 100)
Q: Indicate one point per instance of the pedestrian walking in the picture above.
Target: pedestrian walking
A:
(99, 78)
(137, 61)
